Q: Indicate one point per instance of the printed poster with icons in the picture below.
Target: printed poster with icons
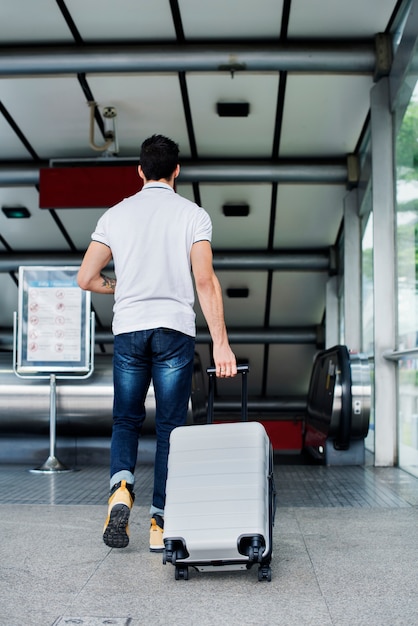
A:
(54, 314)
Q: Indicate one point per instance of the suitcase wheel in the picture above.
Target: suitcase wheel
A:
(252, 546)
(174, 549)
(264, 573)
(255, 554)
(169, 556)
(181, 572)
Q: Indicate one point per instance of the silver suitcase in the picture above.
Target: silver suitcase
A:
(220, 496)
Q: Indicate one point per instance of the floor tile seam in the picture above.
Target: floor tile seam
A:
(68, 609)
(323, 595)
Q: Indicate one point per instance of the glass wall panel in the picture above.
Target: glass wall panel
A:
(368, 315)
(407, 255)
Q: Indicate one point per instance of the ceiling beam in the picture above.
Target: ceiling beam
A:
(312, 335)
(26, 174)
(318, 261)
(352, 57)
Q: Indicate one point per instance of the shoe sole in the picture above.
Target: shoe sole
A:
(156, 549)
(115, 534)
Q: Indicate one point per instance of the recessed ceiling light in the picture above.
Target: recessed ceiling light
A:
(233, 109)
(238, 209)
(15, 212)
(237, 292)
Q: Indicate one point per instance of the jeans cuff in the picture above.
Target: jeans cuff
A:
(156, 511)
(122, 475)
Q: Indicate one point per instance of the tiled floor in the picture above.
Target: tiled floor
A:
(297, 486)
(345, 554)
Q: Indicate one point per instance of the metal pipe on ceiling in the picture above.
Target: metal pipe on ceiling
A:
(276, 335)
(307, 335)
(330, 173)
(27, 174)
(308, 56)
(320, 261)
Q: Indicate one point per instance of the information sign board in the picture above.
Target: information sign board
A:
(53, 334)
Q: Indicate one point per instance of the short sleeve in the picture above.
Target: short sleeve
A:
(99, 233)
(203, 230)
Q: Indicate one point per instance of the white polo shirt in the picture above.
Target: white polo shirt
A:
(151, 235)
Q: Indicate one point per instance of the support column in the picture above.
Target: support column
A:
(332, 334)
(352, 273)
(384, 261)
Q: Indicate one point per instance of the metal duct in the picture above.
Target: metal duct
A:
(23, 174)
(309, 335)
(350, 57)
(324, 173)
(84, 407)
(320, 261)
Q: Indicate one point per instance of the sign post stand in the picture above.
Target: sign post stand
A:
(52, 464)
(53, 337)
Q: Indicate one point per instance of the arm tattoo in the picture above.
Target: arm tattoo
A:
(109, 283)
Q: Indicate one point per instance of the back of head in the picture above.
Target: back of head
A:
(159, 157)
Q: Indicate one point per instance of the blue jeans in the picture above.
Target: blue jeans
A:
(165, 356)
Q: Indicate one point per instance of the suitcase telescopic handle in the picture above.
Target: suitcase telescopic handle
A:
(241, 369)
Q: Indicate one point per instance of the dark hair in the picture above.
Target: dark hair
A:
(159, 157)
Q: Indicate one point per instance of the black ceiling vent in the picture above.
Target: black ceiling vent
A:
(238, 209)
(233, 109)
(237, 292)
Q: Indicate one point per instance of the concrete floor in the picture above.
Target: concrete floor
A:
(345, 553)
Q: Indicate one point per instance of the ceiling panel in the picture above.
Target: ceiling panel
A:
(238, 232)
(241, 311)
(298, 298)
(51, 112)
(244, 311)
(99, 20)
(233, 136)
(145, 104)
(230, 20)
(10, 145)
(24, 21)
(339, 18)
(80, 224)
(38, 232)
(318, 207)
(289, 369)
(324, 115)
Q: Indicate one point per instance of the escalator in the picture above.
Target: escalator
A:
(338, 406)
(330, 423)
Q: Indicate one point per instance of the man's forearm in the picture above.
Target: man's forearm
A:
(100, 284)
(90, 275)
(211, 303)
(108, 284)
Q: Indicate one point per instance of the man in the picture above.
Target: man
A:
(155, 237)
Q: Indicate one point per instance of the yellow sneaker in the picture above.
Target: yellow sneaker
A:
(116, 528)
(156, 543)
